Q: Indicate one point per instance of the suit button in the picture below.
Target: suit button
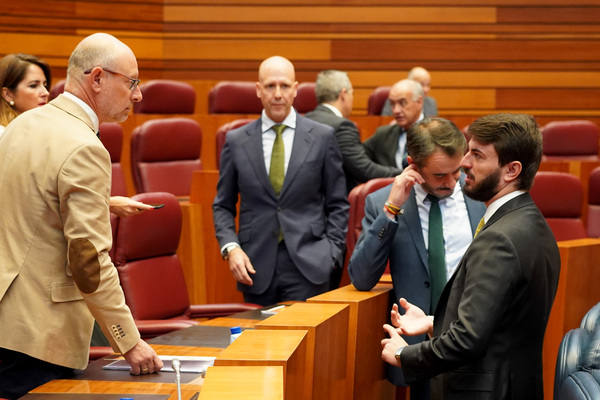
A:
(427, 284)
(278, 209)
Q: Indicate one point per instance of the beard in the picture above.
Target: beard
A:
(484, 190)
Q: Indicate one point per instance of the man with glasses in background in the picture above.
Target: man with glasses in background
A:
(55, 179)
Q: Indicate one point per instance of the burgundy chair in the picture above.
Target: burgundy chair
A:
(164, 155)
(593, 216)
(559, 196)
(163, 96)
(222, 131)
(576, 139)
(57, 89)
(234, 97)
(150, 271)
(377, 99)
(356, 198)
(111, 136)
(306, 99)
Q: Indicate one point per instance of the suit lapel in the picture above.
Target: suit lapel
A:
(413, 223)
(253, 147)
(392, 143)
(302, 143)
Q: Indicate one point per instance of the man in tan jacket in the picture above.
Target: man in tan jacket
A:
(55, 272)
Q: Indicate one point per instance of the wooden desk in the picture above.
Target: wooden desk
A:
(247, 382)
(368, 311)
(577, 292)
(326, 344)
(272, 348)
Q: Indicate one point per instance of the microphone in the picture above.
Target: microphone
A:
(176, 364)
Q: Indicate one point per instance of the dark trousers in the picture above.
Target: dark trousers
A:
(19, 373)
(288, 283)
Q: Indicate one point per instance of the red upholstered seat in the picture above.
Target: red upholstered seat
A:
(57, 89)
(111, 136)
(593, 216)
(222, 131)
(559, 196)
(377, 99)
(150, 271)
(356, 198)
(97, 352)
(163, 96)
(234, 97)
(576, 139)
(306, 99)
(164, 155)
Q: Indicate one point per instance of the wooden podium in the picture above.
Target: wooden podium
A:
(368, 311)
(326, 338)
(243, 382)
(272, 348)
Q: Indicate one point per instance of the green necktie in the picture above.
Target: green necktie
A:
(479, 227)
(436, 252)
(276, 169)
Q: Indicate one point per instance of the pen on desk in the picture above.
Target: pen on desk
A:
(274, 309)
(195, 396)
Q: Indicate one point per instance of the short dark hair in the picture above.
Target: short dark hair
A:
(516, 137)
(428, 135)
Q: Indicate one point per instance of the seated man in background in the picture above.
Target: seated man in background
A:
(399, 228)
(488, 328)
(388, 145)
(422, 76)
(335, 97)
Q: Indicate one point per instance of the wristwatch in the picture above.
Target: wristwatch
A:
(227, 249)
(398, 353)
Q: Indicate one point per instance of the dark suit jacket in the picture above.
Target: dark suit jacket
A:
(312, 209)
(402, 244)
(382, 146)
(358, 167)
(490, 321)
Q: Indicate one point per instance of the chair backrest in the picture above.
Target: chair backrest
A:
(578, 355)
(377, 99)
(164, 96)
(559, 196)
(164, 155)
(234, 97)
(356, 198)
(111, 136)
(593, 215)
(147, 262)
(576, 139)
(222, 131)
(57, 89)
(306, 98)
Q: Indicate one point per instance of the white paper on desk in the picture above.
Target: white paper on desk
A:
(195, 364)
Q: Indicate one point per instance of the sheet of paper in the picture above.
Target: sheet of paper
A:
(194, 364)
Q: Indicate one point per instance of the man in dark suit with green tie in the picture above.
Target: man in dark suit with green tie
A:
(388, 145)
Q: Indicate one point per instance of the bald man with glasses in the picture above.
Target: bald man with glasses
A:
(55, 179)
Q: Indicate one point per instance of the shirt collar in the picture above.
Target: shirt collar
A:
(333, 109)
(289, 121)
(496, 204)
(88, 110)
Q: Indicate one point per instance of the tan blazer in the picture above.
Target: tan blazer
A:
(54, 238)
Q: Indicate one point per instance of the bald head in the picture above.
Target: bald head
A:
(276, 87)
(98, 49)
(103, 72)
(422, 76)
(406, 99)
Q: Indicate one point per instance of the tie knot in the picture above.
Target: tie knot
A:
(278, 128)
(432, 198)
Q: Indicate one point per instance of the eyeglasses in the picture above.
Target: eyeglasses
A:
(134, 83)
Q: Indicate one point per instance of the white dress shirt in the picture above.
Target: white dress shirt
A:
(402, 145)
(492, 208)
(88, 110)
(456, 224)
